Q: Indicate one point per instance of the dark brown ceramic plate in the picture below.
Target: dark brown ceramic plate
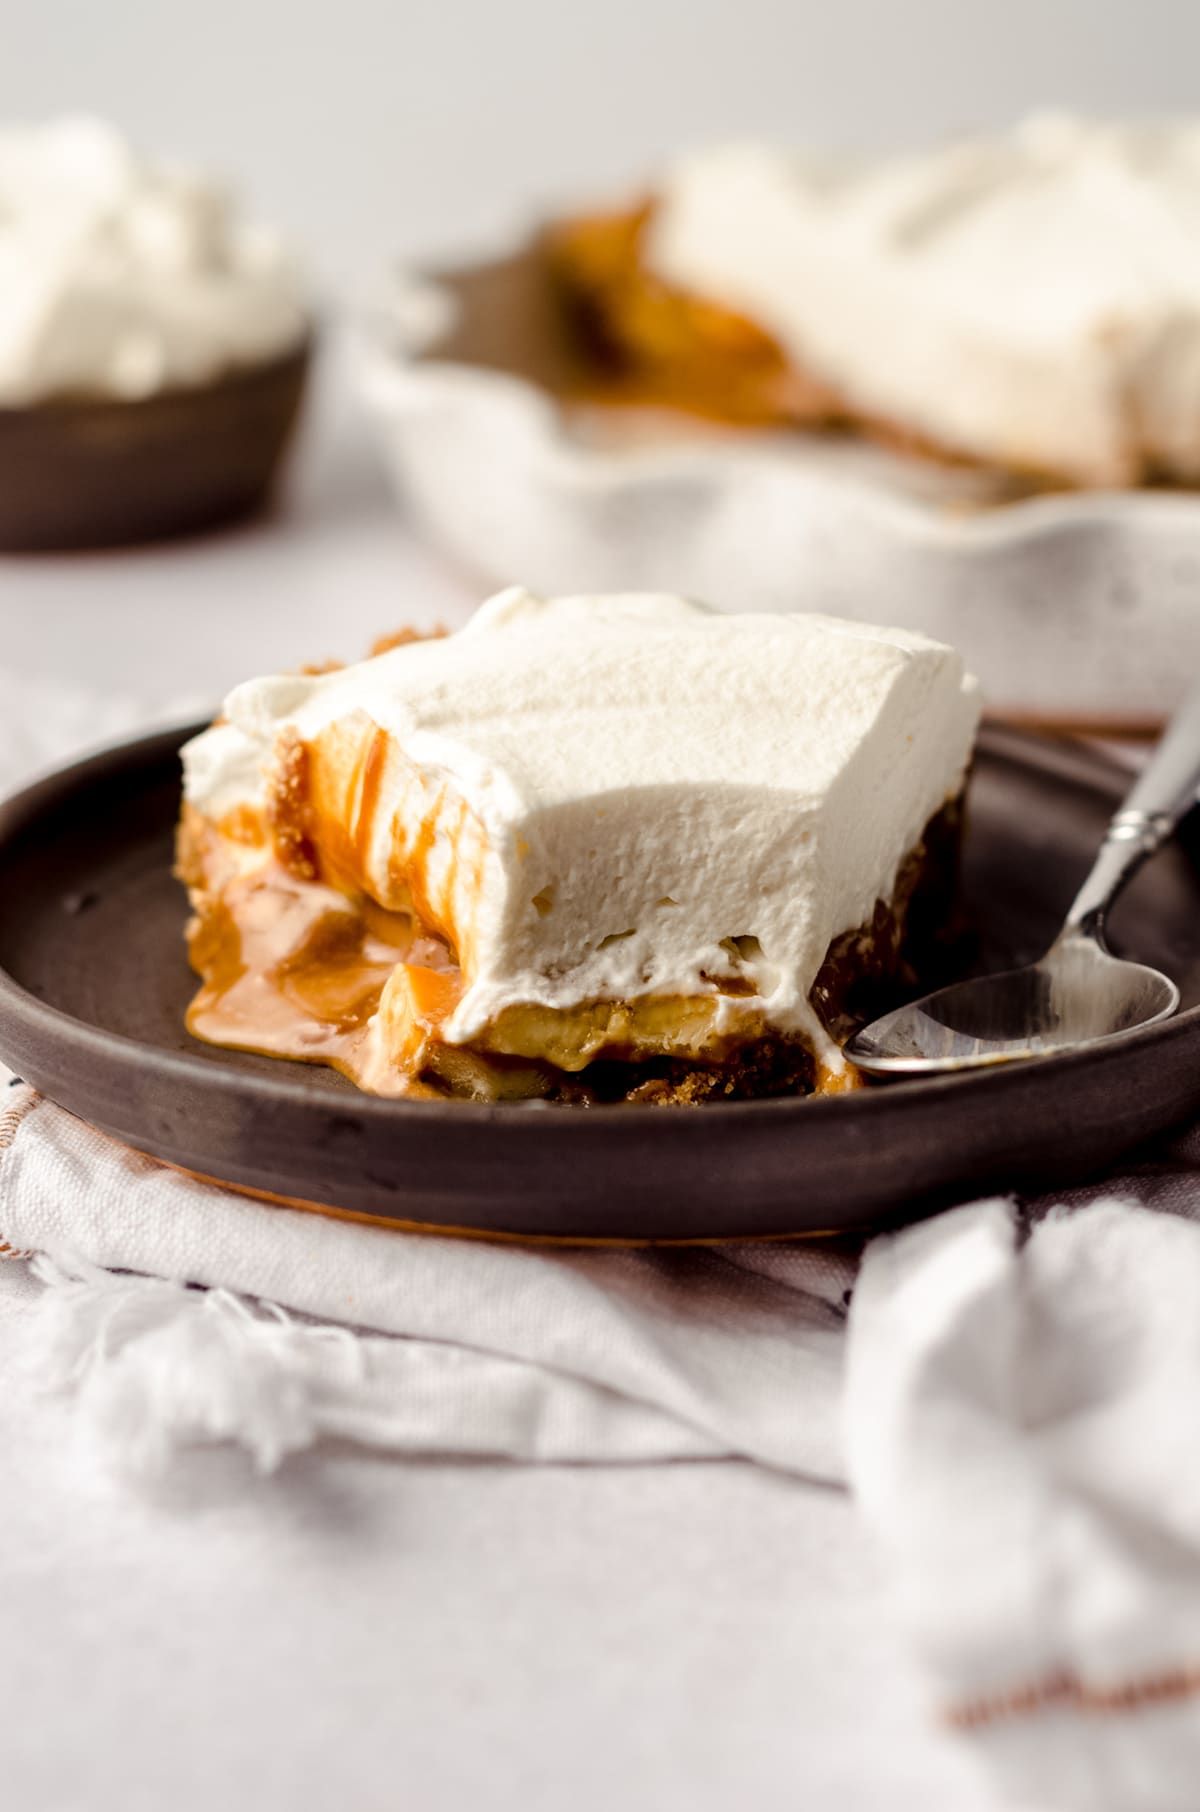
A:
(86, 473)
(93, 986)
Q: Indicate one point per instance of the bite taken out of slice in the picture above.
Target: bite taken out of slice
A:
(614, 848)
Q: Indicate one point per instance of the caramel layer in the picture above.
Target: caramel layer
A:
(659, 345)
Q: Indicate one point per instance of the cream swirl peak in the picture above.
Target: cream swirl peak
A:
(609, 799)
(121, 277)
(1031, 299)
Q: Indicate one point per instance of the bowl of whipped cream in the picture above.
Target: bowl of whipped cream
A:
(153, 344)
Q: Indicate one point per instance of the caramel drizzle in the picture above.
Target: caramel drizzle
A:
(295, 954)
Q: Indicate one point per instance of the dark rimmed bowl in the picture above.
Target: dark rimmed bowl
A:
(93, 473)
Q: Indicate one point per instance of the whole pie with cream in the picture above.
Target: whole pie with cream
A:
(587, 849)
(1030, 300)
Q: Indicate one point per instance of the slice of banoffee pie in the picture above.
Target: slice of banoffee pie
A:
(588, 849)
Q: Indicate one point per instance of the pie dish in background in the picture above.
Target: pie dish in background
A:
(632, 400)
(153, 348)
(587, 850)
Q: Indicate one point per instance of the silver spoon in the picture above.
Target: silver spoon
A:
(1078, 993)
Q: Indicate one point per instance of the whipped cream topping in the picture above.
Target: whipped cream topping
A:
(121, 277)
(656, 793)
(1032, 299)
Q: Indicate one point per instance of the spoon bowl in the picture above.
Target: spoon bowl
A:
(1077, 994)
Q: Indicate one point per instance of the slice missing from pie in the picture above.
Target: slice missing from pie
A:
(588, 849)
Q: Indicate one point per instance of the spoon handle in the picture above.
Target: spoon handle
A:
(1166, 788)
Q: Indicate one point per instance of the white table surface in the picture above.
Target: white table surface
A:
(367, 1633)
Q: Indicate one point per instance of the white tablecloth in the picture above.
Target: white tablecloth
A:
(354, 1631)
(429, 1635)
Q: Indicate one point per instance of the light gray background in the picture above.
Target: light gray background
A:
(375, 125)
(445, 1636)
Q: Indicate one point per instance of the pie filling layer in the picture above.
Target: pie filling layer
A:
(592, 849)
(294, 967)
(656, 343)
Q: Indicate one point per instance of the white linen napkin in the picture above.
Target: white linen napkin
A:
(533, 1353)
(1021, 1400)
(1023, 1432)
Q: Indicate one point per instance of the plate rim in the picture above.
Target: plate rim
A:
(49, 791)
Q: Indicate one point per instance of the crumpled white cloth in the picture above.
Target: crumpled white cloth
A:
(531, 1353)
(1023, 1432)
(1016, 1404)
